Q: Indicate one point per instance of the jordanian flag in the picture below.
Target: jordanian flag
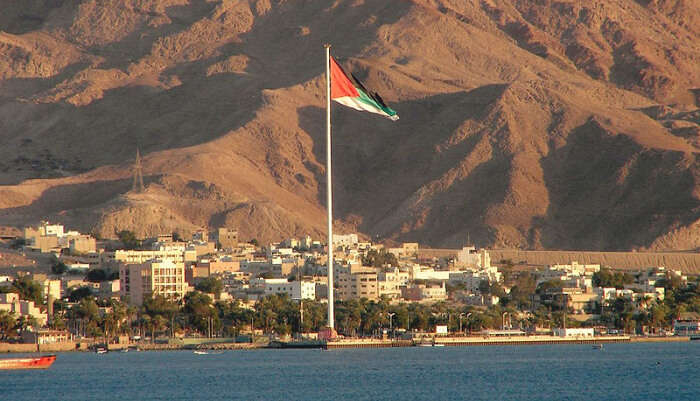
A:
(353, 94)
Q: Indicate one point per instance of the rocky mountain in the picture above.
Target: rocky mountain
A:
(536, 124)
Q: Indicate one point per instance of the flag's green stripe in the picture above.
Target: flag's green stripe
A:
(368, 100)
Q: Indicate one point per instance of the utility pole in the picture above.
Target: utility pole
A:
(301, 314)
(566, 307)
(391, 322)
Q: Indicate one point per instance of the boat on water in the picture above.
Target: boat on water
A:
(597, 346)
(200, 352)
(41, 362)
(101, 350)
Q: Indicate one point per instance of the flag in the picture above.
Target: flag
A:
(353, 94)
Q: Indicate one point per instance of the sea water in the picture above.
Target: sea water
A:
(638, 371)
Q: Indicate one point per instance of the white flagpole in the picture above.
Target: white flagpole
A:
(329, 187)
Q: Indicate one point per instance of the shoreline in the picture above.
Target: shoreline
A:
(467, 341)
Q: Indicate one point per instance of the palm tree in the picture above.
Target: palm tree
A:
(8, 324)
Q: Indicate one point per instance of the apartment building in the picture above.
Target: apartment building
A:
(356, 282)
(154, 277)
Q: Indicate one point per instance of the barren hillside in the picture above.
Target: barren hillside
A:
(536, 124)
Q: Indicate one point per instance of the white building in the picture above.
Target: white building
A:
(687, 324)
(176, 254)
(345, 240)
(296, 290)
(48, 229)
(572, 275)
(390, 282)
(470, 257)
(568, 332)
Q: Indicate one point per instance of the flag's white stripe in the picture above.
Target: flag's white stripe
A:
(356, 104)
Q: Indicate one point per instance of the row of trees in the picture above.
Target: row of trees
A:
(278, 314)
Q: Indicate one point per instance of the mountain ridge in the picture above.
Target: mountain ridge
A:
(545, 125)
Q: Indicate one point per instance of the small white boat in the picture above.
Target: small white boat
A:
(198, 352)
(597, 346)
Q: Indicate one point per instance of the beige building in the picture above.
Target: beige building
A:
(51, 289)
(10, 302)
(43, 229)
(200, 236)
(47, 237)
(407, 249)
(423, 292)
(472, 258)
(92, 259)
(390, 283)
(154, 277)
(82, 244)
(175, 254)
(227, 239)
(222, 265)
(203, 248)
(356, 283)
(196, 272)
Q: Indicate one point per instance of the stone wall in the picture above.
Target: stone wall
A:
(685, 261)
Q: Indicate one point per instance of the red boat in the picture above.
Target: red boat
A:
(41, 362)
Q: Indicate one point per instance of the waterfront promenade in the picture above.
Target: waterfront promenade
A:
(473, 341)
(452, 341)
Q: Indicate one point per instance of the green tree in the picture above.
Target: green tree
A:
(160, 305)
(28, 290)
(8, 324)
(233, 315)
(113, 321)
(278, 314)
(608, 278)
(58, 267)
(24, 322)
(379, 258)
(96, 275)
(157, 312)
(18, 243)
(199, 310)
(79, 293)
(128, 239)
(670, 283)
(210, 285)
(522, 291)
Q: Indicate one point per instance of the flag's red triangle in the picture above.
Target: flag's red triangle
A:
(341, 86)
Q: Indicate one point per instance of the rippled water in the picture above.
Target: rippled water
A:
(667, 371)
